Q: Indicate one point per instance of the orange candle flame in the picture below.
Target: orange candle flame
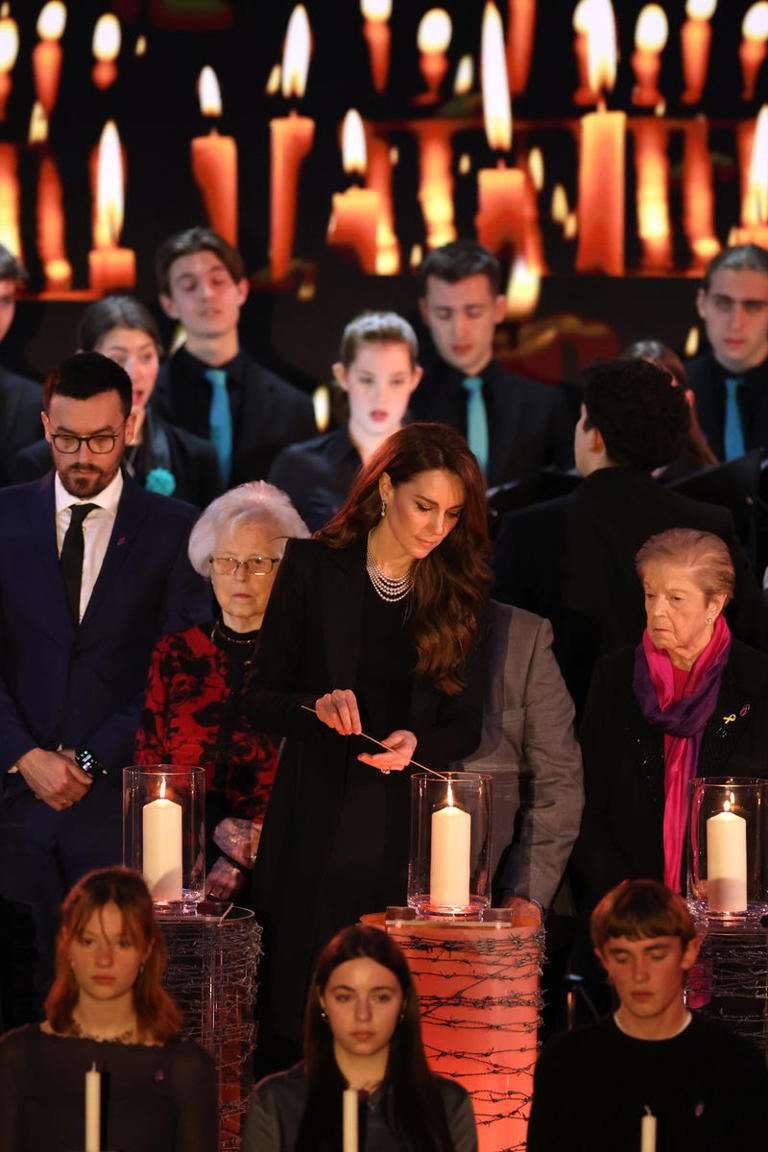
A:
(106, 38)
(497, 110)
(755, 23)
(9, 41)
(601, 44)
(52, 20)
(298, 47)
(378, 10)
(353, 150)
(700, 9)
(522, 290)
(38, 124)
(208, 92)
(465, 76)
(109, 189)
(434, 31)
(652, 29)
(756, 211)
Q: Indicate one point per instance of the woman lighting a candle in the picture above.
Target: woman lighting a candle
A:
(373, 626)
(689, 701)
(107, 1015)
(361, 1032)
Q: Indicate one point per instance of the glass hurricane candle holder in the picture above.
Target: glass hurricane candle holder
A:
(728, 841)
(164, 831)
(449, 866)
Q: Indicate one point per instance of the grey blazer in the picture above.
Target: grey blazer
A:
(528, 745)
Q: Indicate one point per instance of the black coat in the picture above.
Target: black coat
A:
(323, 798)
(573, 561)
(529, 425)
(21, 402)
(267, 413)
(622, 828)
(707, 378)
(192, 462)
(317, 475)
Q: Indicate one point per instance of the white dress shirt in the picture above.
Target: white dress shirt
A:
(97, 529)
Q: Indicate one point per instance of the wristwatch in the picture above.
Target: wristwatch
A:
(89, 762)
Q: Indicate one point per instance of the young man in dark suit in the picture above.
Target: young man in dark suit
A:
(514, 426)
(573, 559)
(20, 398)
(93, 570)
(730, 380)
(211, 386)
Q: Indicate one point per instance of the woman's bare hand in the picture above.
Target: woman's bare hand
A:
(338, 709)
(401, 745)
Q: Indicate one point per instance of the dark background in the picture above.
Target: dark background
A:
(154, 103)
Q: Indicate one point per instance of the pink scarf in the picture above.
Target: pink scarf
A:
(683, 721)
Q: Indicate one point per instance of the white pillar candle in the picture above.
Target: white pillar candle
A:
(648, 1132)
(727, 862)
(92, 1110)
(162, 848)
(449, 864)
(349, 1116)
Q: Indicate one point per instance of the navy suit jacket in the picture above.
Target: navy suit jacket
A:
(74, 686)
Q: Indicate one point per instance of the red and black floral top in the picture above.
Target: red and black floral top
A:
(193, 714)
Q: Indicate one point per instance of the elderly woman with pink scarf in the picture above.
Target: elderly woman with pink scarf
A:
(689, 701)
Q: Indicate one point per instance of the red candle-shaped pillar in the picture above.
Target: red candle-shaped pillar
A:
(652, 169)
(695, 40)
(436, 181)
(753, 156)
(698, 193)
(380, 180)
(432, 38)
(10, 232)
(291, 140)
(353, 226)
(753, 48)
(46, 55)
(520, 32)
(214, 163)
(651, 33)
(376, 13)
(109, 265)
(601, 165)
(9, 50)
(51, 231)
(106, 48)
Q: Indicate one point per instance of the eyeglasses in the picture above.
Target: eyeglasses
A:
(100, 444)
(254, 565)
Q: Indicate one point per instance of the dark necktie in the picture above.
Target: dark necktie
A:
(71, 558)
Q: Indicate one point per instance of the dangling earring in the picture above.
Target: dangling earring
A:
(383, 509)
(323, 1015)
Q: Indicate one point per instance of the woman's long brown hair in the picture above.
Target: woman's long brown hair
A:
(157, 1016)
(450, 583)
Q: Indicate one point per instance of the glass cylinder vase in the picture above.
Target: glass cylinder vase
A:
(728, 841)
(449, 866)
(164, 831)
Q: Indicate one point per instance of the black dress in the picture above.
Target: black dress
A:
(155, 1098)
(336, 833)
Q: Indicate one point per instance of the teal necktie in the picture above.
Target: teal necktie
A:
(477, 420)
(734, 433)
(220, 420)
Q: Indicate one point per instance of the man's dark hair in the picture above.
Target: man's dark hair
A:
(739, 258)
(458, 260)
(188, 243)
(88, 374)
(640, 413)
(10, 267)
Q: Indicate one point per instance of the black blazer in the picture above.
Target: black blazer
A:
(311, 642)
(529, 424)
(21, 402)
(622, 828)
(191, 460)
(707, 378)
(317, 475)
(573, 561)
(267, 413)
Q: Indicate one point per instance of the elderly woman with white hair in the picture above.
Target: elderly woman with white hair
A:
(193, 712)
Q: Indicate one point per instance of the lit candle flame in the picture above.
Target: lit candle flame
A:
(536, 168)
(601, 45)
(141, 46)
(581, 16)
(9, 41)
(652, 29)
(38, 124)
(434, 31)
(416, 256)
(559, 208)
(321, 402)
(379, 10)
(106, 38)
(522, 290)
(298, 46)
(162, 787)
(109, 188)
(464, 166)
(691, 342)
(208, 92)
(353, 151)
(450, 794)
(700, 9)
(756, 210)
(727, 806)
(465, 76)
(754, 26)
(52, 20)
(497, 111)
(273, 80)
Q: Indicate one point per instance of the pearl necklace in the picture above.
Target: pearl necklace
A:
(384, 586)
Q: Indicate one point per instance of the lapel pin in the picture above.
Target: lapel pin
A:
(729, 719)
(121, 541)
